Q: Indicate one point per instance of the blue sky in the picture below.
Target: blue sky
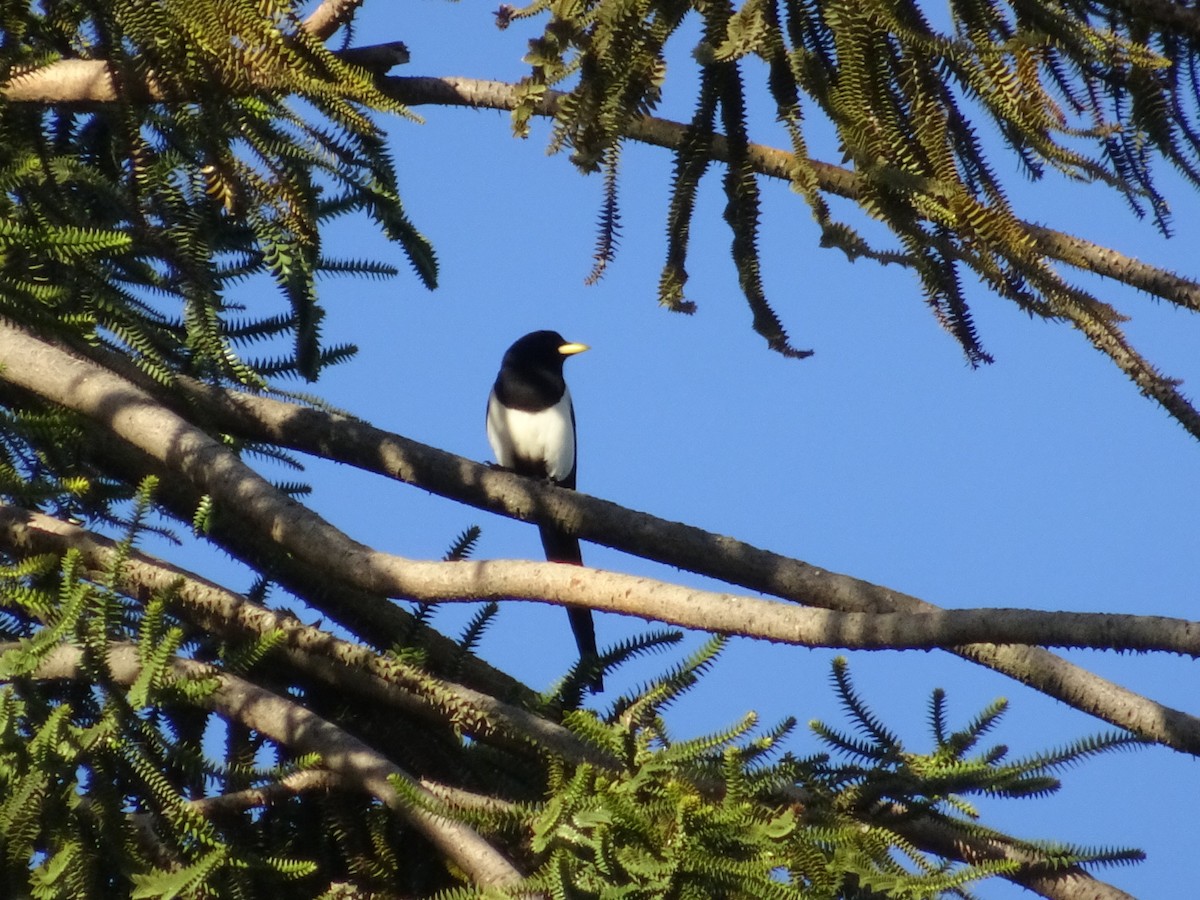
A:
(1042, 481)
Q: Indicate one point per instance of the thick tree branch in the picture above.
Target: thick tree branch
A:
(215, 608)
(87, 81)
(337, 662)
(138, 418)
(293, 726)
(23, 531)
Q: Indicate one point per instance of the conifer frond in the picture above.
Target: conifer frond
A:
(221, 182)
(883, 774)
(463, 545)
(372, 268)
(608, 229)
(653, 699)
(273, 453)
(691, 161)
(473, 632)
(864, 720)
(1095, 94)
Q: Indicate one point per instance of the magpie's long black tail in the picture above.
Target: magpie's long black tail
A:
(563, 548)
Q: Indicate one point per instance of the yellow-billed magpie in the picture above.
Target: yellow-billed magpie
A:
(531, 427)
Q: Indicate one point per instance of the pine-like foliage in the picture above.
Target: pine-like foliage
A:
(178, 225)
(233, 136)
(162, 736)
(916, 93)
(871, 770)
(116, 784)
(96, 774)
(729, 815)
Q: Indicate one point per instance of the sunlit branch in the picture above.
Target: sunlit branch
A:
(84, 81)
(137, 417)
(339, 662)
(329, 16)
(215, 608)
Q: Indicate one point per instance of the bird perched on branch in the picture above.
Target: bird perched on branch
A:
(531, 427)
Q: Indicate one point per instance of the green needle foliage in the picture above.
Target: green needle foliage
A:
(143, 231)
(116, 787)
(95, 773)
(730, 815)
(179, 225)
(234, 136)
(917, 94)
(873, 771)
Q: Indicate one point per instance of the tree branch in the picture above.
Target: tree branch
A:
(337, 662)
(329, 16)
(776, 163)
(86, 81)
(139, 419)
(307, 781)
(295, 727)
(310, 781)
(214, 608)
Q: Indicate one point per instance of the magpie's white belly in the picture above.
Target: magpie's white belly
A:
(535, 439)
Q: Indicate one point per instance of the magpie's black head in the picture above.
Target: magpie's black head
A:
(531, 375)
(541, 350)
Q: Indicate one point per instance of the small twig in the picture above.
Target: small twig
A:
(305, 782)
